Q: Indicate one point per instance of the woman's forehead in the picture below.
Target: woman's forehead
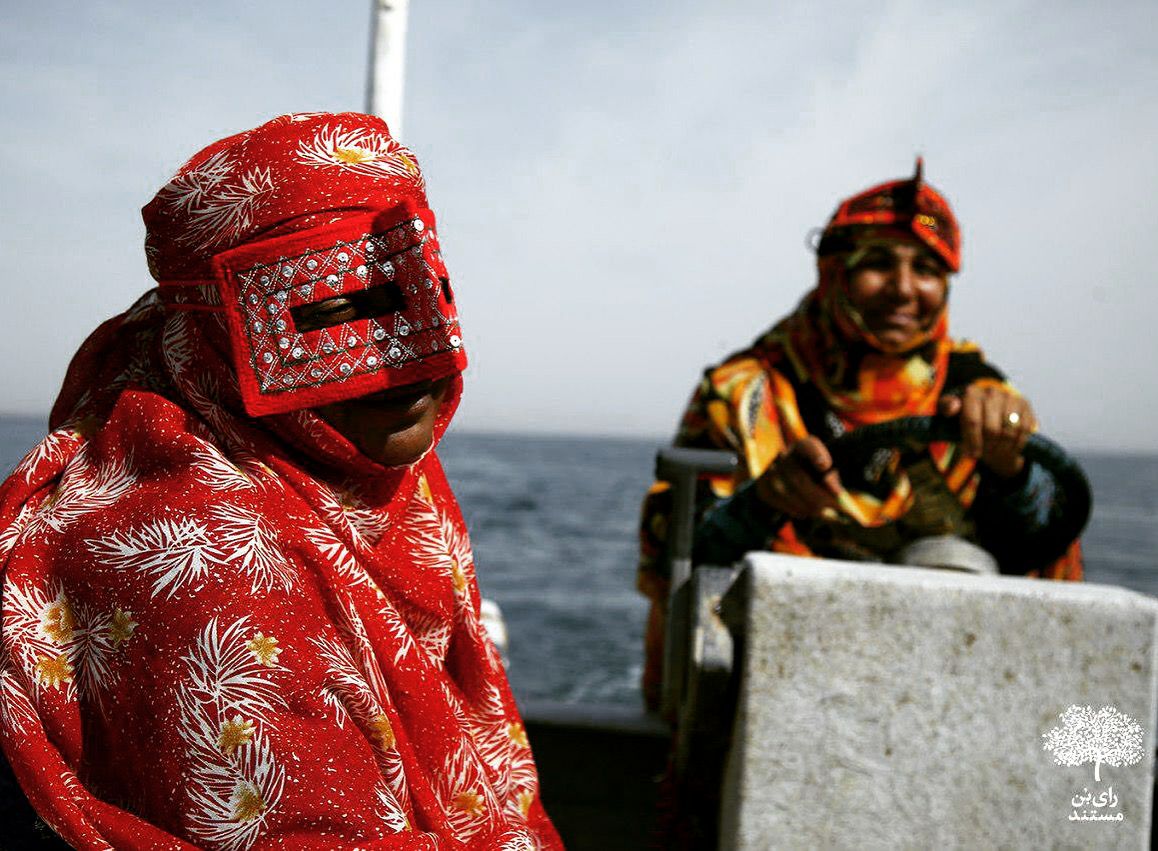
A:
(899, 244)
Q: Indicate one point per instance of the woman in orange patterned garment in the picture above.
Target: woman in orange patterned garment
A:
(869, 344)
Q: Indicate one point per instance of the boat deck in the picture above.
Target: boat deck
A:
(599, 769)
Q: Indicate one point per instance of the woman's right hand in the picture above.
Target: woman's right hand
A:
(801, 482)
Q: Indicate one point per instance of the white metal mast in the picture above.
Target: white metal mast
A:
(384, 99)
(387, 61)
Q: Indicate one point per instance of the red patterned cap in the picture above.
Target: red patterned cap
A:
(270, 224)
(910, 205)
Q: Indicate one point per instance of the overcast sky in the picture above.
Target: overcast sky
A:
(624, 188)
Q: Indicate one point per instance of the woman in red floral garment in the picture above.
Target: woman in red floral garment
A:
(239, 603)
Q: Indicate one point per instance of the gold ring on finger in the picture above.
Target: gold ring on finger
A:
(1012, 421)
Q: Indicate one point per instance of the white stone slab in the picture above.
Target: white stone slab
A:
(891, 707)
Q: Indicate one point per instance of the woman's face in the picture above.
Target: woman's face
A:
(393, 427)
(899, 288)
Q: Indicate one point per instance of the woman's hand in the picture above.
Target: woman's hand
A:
(995, 425)
(802, 482)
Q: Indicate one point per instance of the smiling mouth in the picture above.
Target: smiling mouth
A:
(895, 320)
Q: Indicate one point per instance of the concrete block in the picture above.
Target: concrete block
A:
(895, 707)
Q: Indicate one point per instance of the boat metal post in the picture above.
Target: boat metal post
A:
(682, 469)
(384, 86)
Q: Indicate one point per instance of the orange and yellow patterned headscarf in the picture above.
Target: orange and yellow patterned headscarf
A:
(862, 381)
(827, 341)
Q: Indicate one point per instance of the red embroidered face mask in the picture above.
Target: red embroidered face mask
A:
(341, 311)
(351, 300)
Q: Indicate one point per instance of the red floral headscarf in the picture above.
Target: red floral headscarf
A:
(228, 234)
(237, 632)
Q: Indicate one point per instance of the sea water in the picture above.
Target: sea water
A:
(553, 524)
